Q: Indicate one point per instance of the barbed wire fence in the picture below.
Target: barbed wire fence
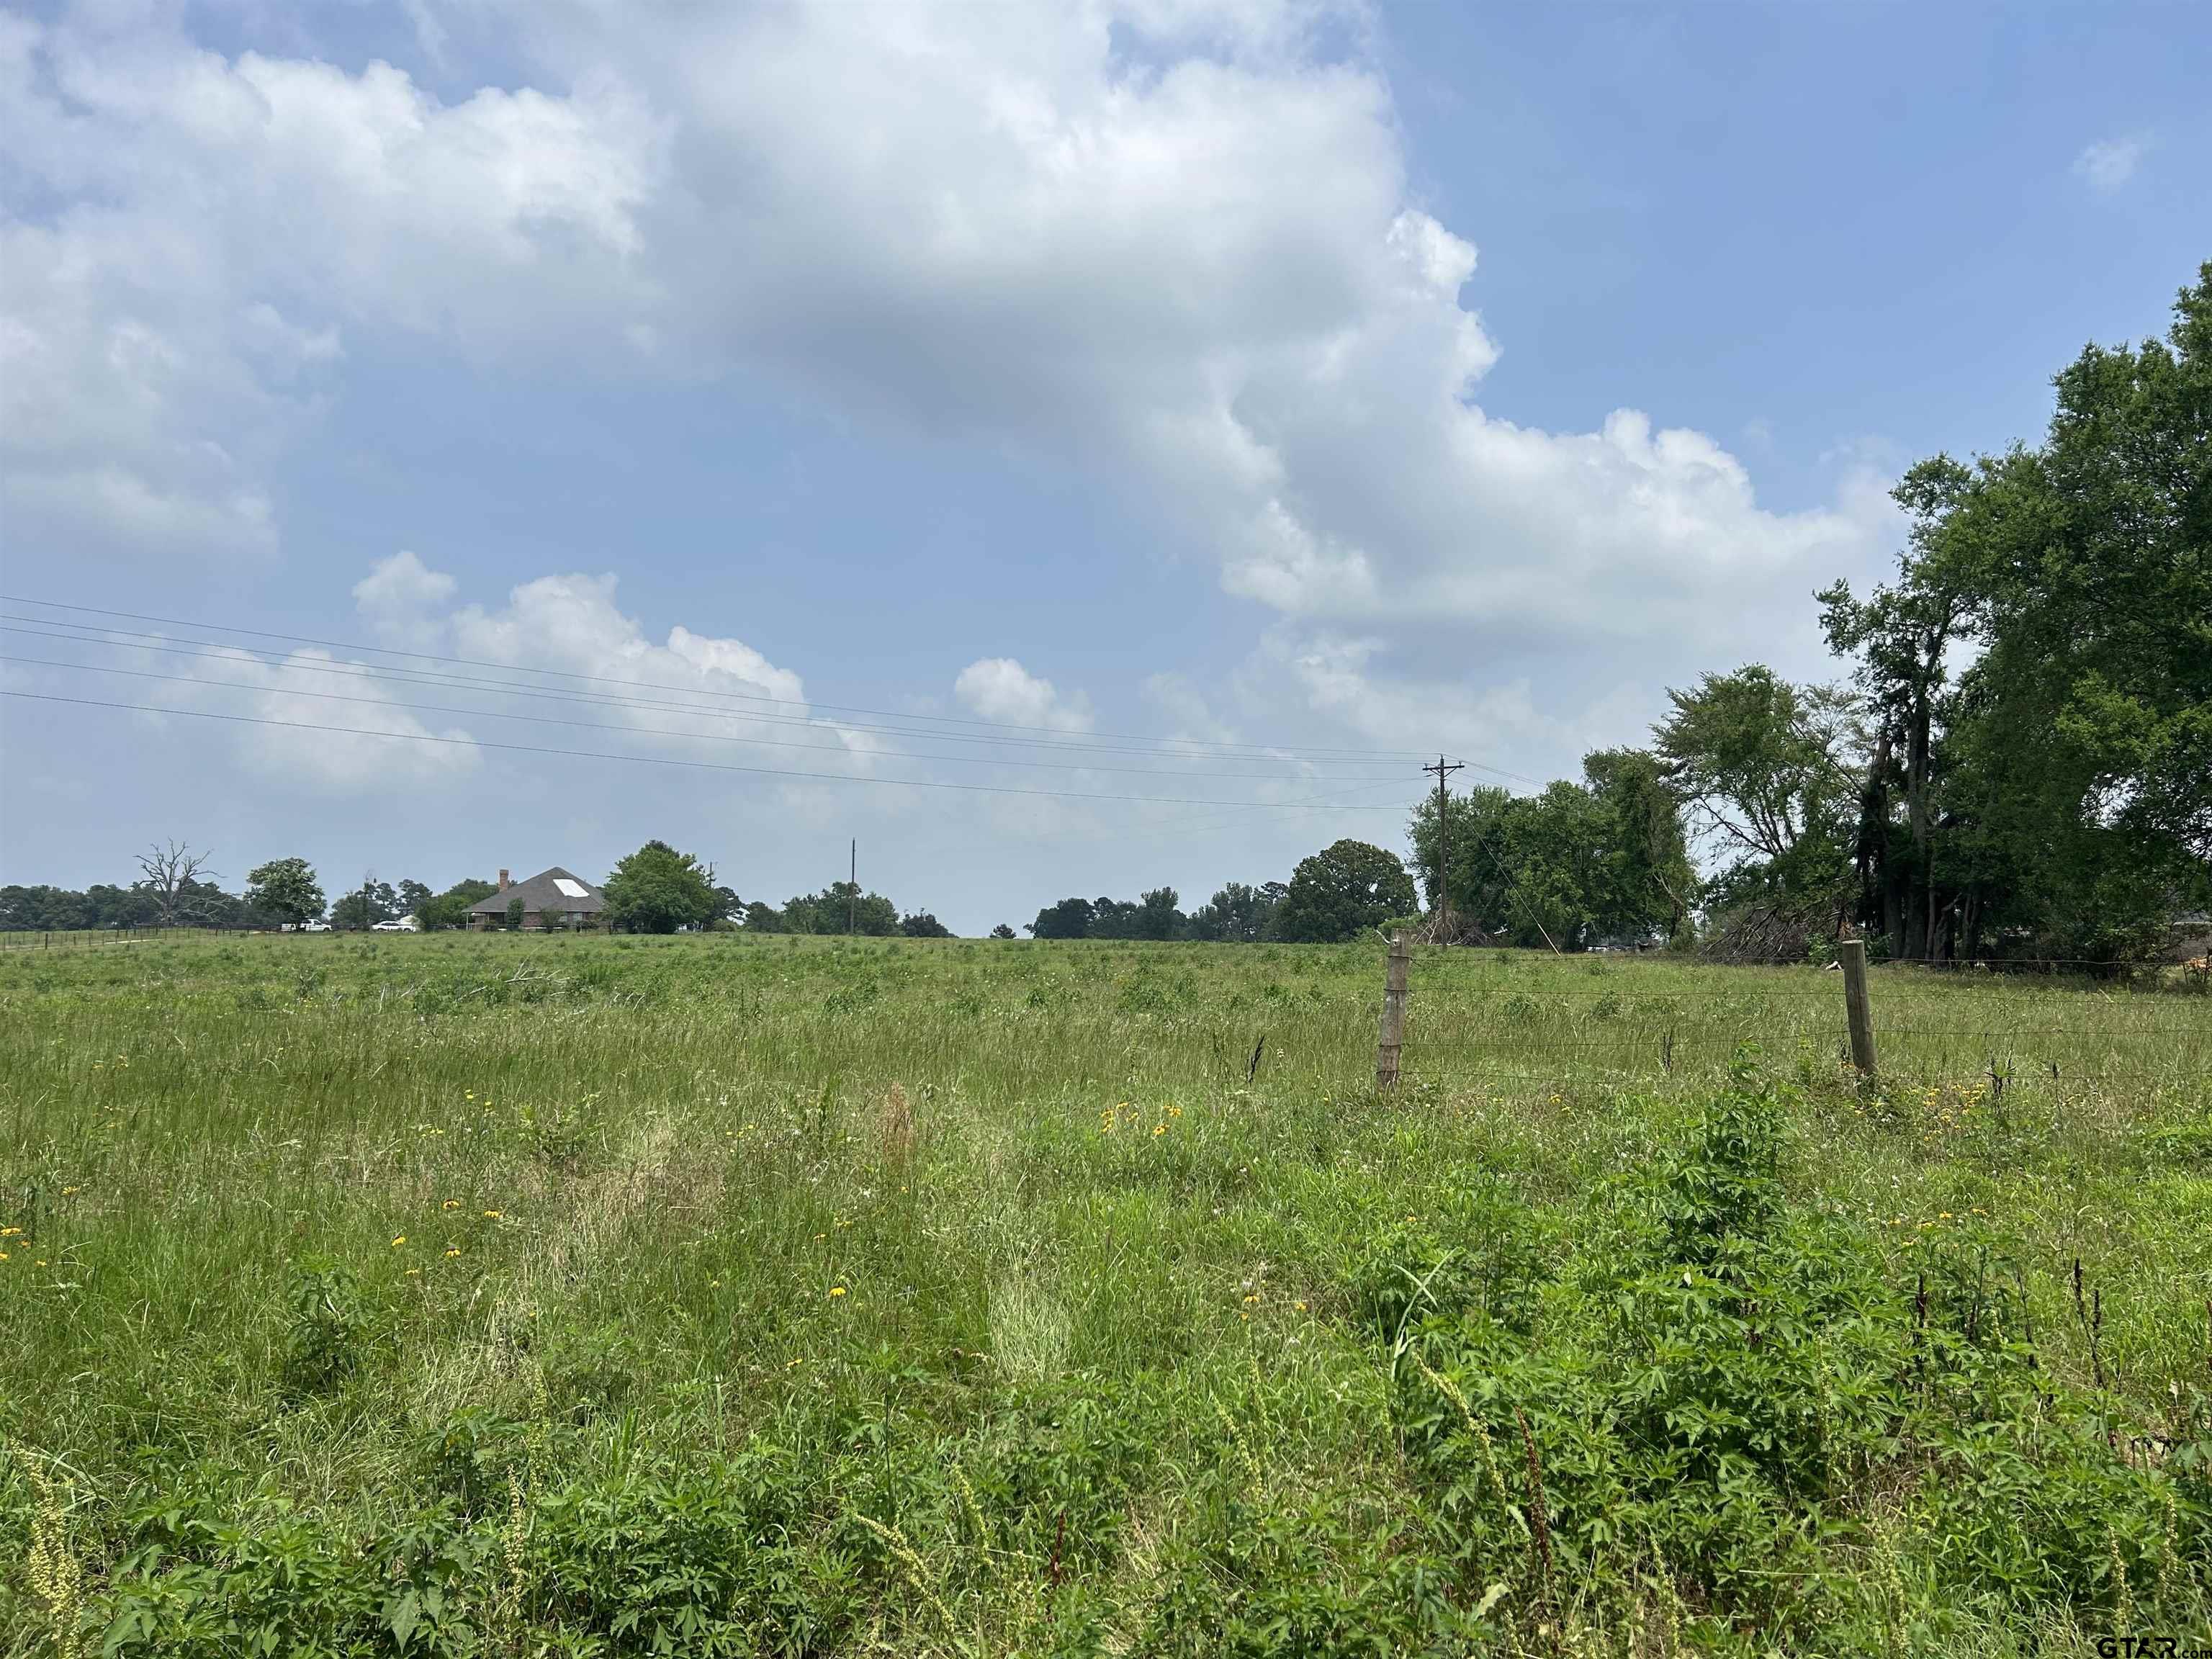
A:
(1525, 1018)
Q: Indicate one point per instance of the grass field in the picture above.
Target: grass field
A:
(515, 1296)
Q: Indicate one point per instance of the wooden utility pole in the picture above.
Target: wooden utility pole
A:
(1392, 1037)
(853, 892)
(1440, 875)
(1852, 954)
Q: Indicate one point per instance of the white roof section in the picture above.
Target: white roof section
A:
(571, 889)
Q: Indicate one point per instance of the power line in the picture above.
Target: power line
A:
(666, 760)
(555, 673)
(158, 644)
(648, 731)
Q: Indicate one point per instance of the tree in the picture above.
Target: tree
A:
(1002, 931)
(2056, 779)
(451, 907)
(658, 890)
(515, 913)
(364, 906)
(287, 889)
(841, 908)
(1069, 919)
(1239, 913)
(1342, 892)
(1650, 885)
(922, 925)
(173, 880)
(413, 898)
(1761, 764)
(763, 917)
(1158, 916)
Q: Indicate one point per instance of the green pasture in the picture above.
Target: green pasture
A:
(521, 1295)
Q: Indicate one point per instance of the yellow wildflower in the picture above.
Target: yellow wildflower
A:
(452, 1250)
(398, 1241)
(491, 1215)
(70, 1191)
(9, 1232)
(452, 1204)
(1158, 1129)
(836, 1289)
(1302, 1307)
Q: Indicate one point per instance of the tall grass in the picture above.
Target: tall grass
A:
(493, 1294)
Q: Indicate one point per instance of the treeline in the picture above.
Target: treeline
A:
(840, 908)
(60, 909)
(2021, 759)
(1339, 893)
(2019, 763)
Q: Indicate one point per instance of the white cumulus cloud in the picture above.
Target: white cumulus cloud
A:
(999, 689)
(1172, 244)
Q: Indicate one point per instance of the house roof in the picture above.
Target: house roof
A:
(552, 889)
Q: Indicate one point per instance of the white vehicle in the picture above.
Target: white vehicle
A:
(402, 924)
(314, 928)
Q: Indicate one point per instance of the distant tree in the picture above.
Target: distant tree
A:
(841, 907)
(451, 907)
(1158, 915)
(39, 909)
(372, 901)
(287, 889)
(173, 879)
(1343, 890)
(1069, 919)
(515, 913)
(1002, 931)
(1113, 918)
(412, 897)
(763, 917)
(1649, 883)
(922, 925)
(657, 890)
(728, 906)
(1239, 912)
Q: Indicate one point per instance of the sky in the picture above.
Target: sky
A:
(1167, 421)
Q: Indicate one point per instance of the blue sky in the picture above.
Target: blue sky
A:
(1232, 388)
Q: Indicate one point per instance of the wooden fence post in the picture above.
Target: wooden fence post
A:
(1851, 953)
(1393, 1035)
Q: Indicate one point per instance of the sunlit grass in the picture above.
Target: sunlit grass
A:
(634, 1196)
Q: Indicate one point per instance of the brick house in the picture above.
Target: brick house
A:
(551, 898)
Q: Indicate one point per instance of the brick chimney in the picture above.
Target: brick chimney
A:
(502, 881)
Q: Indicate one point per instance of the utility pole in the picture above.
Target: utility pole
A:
(1443, 839)
(853, 892)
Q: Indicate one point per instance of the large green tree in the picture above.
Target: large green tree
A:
(285, 889)
(1342, 892)
(658, 890)
(2039, 675)
(1762, 768)
(1569, 866)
